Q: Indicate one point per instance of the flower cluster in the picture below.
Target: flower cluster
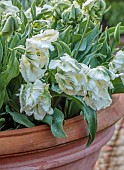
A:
(75, 78)
(35, 97)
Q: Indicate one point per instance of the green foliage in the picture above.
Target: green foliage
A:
(2, 121)
(56, 123)
(118, 86)
(9, 71)
(91, 117)
(20, 118)
(19, 3)
(89, 114)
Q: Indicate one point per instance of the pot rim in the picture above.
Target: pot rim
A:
(36, 128)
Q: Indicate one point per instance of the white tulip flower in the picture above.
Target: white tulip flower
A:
(34, 63)
(99, 100)
(49, 35)
(34, 67)
(70, 76)
(99, 82)
(35, 99)
(117, 64)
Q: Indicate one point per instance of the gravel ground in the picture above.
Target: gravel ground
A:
(112, 155)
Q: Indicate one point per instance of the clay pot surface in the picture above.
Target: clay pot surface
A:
(36, 148)
(71, 156)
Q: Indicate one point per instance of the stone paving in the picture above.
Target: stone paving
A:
(112, 155)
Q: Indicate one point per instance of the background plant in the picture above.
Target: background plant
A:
(115, 14)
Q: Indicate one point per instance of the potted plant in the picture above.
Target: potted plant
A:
(59, 72)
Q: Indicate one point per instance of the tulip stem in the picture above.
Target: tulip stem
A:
(87, 24)
(1, 34)
(58, 101)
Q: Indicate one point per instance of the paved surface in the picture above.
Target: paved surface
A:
(112, 155)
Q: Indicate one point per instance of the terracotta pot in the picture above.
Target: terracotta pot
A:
(36, 148)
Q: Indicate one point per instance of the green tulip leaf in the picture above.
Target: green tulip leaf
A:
(20, 118)
(56, 123)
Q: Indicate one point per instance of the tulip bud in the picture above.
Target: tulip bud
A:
(94, 8)
(72, 14)
(10, 24)
(7, 7)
